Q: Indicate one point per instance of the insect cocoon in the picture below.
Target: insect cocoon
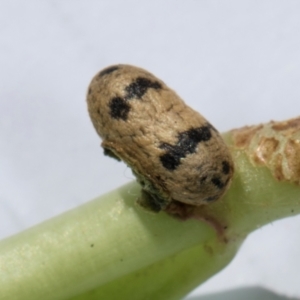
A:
(175, 153)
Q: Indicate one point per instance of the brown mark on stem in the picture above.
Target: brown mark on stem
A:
(275, 145)
(183, 211)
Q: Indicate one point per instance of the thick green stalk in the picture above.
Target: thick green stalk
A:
(92, 245)
(110, 248)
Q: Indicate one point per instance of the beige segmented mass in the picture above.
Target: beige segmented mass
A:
(176, 154)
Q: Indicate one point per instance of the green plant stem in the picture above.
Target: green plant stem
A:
(91, 245)
(110, 248)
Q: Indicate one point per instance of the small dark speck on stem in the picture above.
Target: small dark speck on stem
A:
(92, 245)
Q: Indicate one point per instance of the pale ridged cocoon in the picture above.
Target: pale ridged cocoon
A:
(176, 154)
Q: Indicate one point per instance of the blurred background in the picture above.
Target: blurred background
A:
(236, 62)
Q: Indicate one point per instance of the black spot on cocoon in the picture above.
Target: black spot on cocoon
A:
(217, 182)
(225, 167)
(108, 70)
(119, 108)
(187, 144)
(189, 140)
(170, 161)
(139, 87)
